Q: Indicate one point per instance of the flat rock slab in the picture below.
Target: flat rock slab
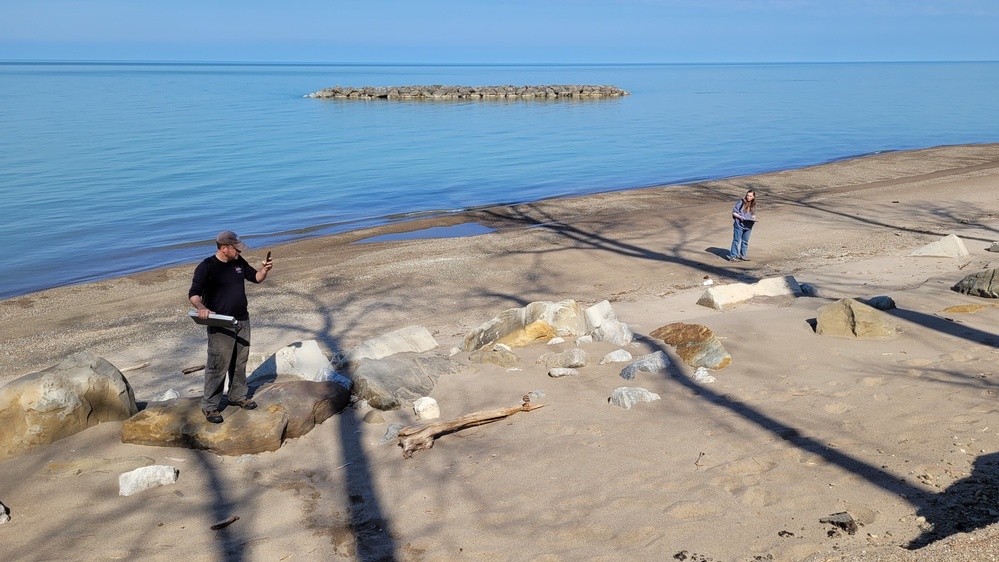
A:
(180, 423)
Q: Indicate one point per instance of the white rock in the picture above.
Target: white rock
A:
(170, 394)
(628, 396)
(414, 339)
(598, 314)
(4, 514)
(702, 375)
(619, 356)
(720, 296)
(145, 478)
(558, 372)
(994, 247)
(949, 246)
(302, 359)
(555, 341)
(426, 408)
(612, 331)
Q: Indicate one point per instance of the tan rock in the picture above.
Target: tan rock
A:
(529, 334)
(307, 403)
(849, 318)
(180, 423)
(43, 407)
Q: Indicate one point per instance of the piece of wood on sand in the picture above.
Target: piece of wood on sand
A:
(421, 436)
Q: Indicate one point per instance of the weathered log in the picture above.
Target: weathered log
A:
(421, 436)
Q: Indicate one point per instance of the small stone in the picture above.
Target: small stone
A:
(426, 408)
(374, 417)
(559, 372)
(145, 478)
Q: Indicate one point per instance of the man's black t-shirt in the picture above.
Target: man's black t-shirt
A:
(221, 287)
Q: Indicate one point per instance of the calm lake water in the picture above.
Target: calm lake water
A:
(108, 169)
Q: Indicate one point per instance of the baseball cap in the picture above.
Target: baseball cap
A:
(229, 238)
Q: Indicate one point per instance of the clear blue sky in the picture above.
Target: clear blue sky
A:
(498, 31)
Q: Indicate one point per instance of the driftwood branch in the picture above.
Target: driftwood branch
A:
(194, 369)
(418, 437)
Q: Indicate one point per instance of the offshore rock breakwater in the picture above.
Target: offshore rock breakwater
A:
(438, 92)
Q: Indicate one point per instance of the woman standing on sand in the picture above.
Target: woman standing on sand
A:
(744, 214)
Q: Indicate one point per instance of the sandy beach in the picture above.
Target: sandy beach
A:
(900, 432)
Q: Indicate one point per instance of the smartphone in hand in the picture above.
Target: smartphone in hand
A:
(268, 258)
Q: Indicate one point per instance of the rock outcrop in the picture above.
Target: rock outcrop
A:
(392, 383)
(287, 409)
(40, 408)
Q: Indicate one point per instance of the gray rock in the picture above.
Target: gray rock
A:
(4, 514)
(392, 383)
(628, 396)
(613, 331)
(499, 355)
(40, 408)
(144, 478)
(652, 363)
(881, 302)
(570, 359)
(980, 284)
(392, 432)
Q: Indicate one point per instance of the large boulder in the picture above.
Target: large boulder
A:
(565, 318)
(181, 423)
(849, 318)
(413, 339)
(307, 403)
(393, 383)
(301, 359)
(697, 345)
(40, 408)
(720, 296)
(287, 409)
(980, 284)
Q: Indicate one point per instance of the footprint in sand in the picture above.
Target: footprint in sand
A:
(837, 408)
(692, 510)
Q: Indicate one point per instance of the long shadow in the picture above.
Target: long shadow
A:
(937, 508)
(966, 505)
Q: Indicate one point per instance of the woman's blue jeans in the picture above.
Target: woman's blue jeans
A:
(740, 240)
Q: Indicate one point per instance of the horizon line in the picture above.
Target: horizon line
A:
(153, 62)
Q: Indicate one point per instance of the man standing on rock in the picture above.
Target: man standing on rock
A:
(218, 288)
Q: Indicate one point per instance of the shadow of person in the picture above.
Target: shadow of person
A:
(966, 505)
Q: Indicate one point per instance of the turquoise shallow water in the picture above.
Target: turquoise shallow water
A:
(108, 169)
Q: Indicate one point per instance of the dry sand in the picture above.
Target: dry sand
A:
(902, 433)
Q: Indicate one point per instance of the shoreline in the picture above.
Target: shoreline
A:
(797, 428)
(399, 224)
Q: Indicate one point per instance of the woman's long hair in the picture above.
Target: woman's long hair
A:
(751, 204)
